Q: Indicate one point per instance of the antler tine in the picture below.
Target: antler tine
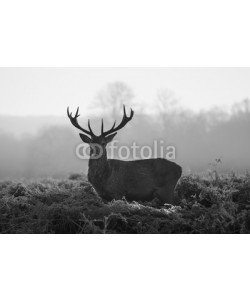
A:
(69, 114)
(124, 111)
(113, 126)
(131, 113)
(77, 111)
(75, 123)
(90, 130)
(102, 130)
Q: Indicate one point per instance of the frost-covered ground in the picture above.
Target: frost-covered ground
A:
(207, 205)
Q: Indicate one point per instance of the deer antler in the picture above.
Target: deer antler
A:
(124, 121)
(75, 123)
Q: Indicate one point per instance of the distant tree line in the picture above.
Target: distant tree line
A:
(203, 140)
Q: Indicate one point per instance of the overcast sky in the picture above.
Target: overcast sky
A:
(48, 91)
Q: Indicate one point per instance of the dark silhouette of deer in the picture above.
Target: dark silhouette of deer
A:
(139, 180)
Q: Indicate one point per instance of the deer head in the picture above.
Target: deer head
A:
(98, 143)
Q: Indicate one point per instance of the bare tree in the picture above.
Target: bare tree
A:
(166, 104)
(241, 108)
(166, 100)
(113, 97)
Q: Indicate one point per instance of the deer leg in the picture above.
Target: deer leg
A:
(166, 193)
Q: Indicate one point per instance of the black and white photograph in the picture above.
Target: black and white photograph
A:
(124, 149)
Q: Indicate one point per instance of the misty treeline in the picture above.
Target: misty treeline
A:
(214, 139)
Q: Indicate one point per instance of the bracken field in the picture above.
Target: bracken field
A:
(208, 204)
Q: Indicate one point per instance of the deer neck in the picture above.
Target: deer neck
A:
(99, 170)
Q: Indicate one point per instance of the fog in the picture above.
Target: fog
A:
(45, 146)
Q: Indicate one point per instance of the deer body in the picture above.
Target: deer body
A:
(139, 180)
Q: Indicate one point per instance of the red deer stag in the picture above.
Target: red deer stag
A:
(141, 180)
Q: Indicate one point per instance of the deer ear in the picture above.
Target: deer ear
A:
(109, 138)
(85, 138)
